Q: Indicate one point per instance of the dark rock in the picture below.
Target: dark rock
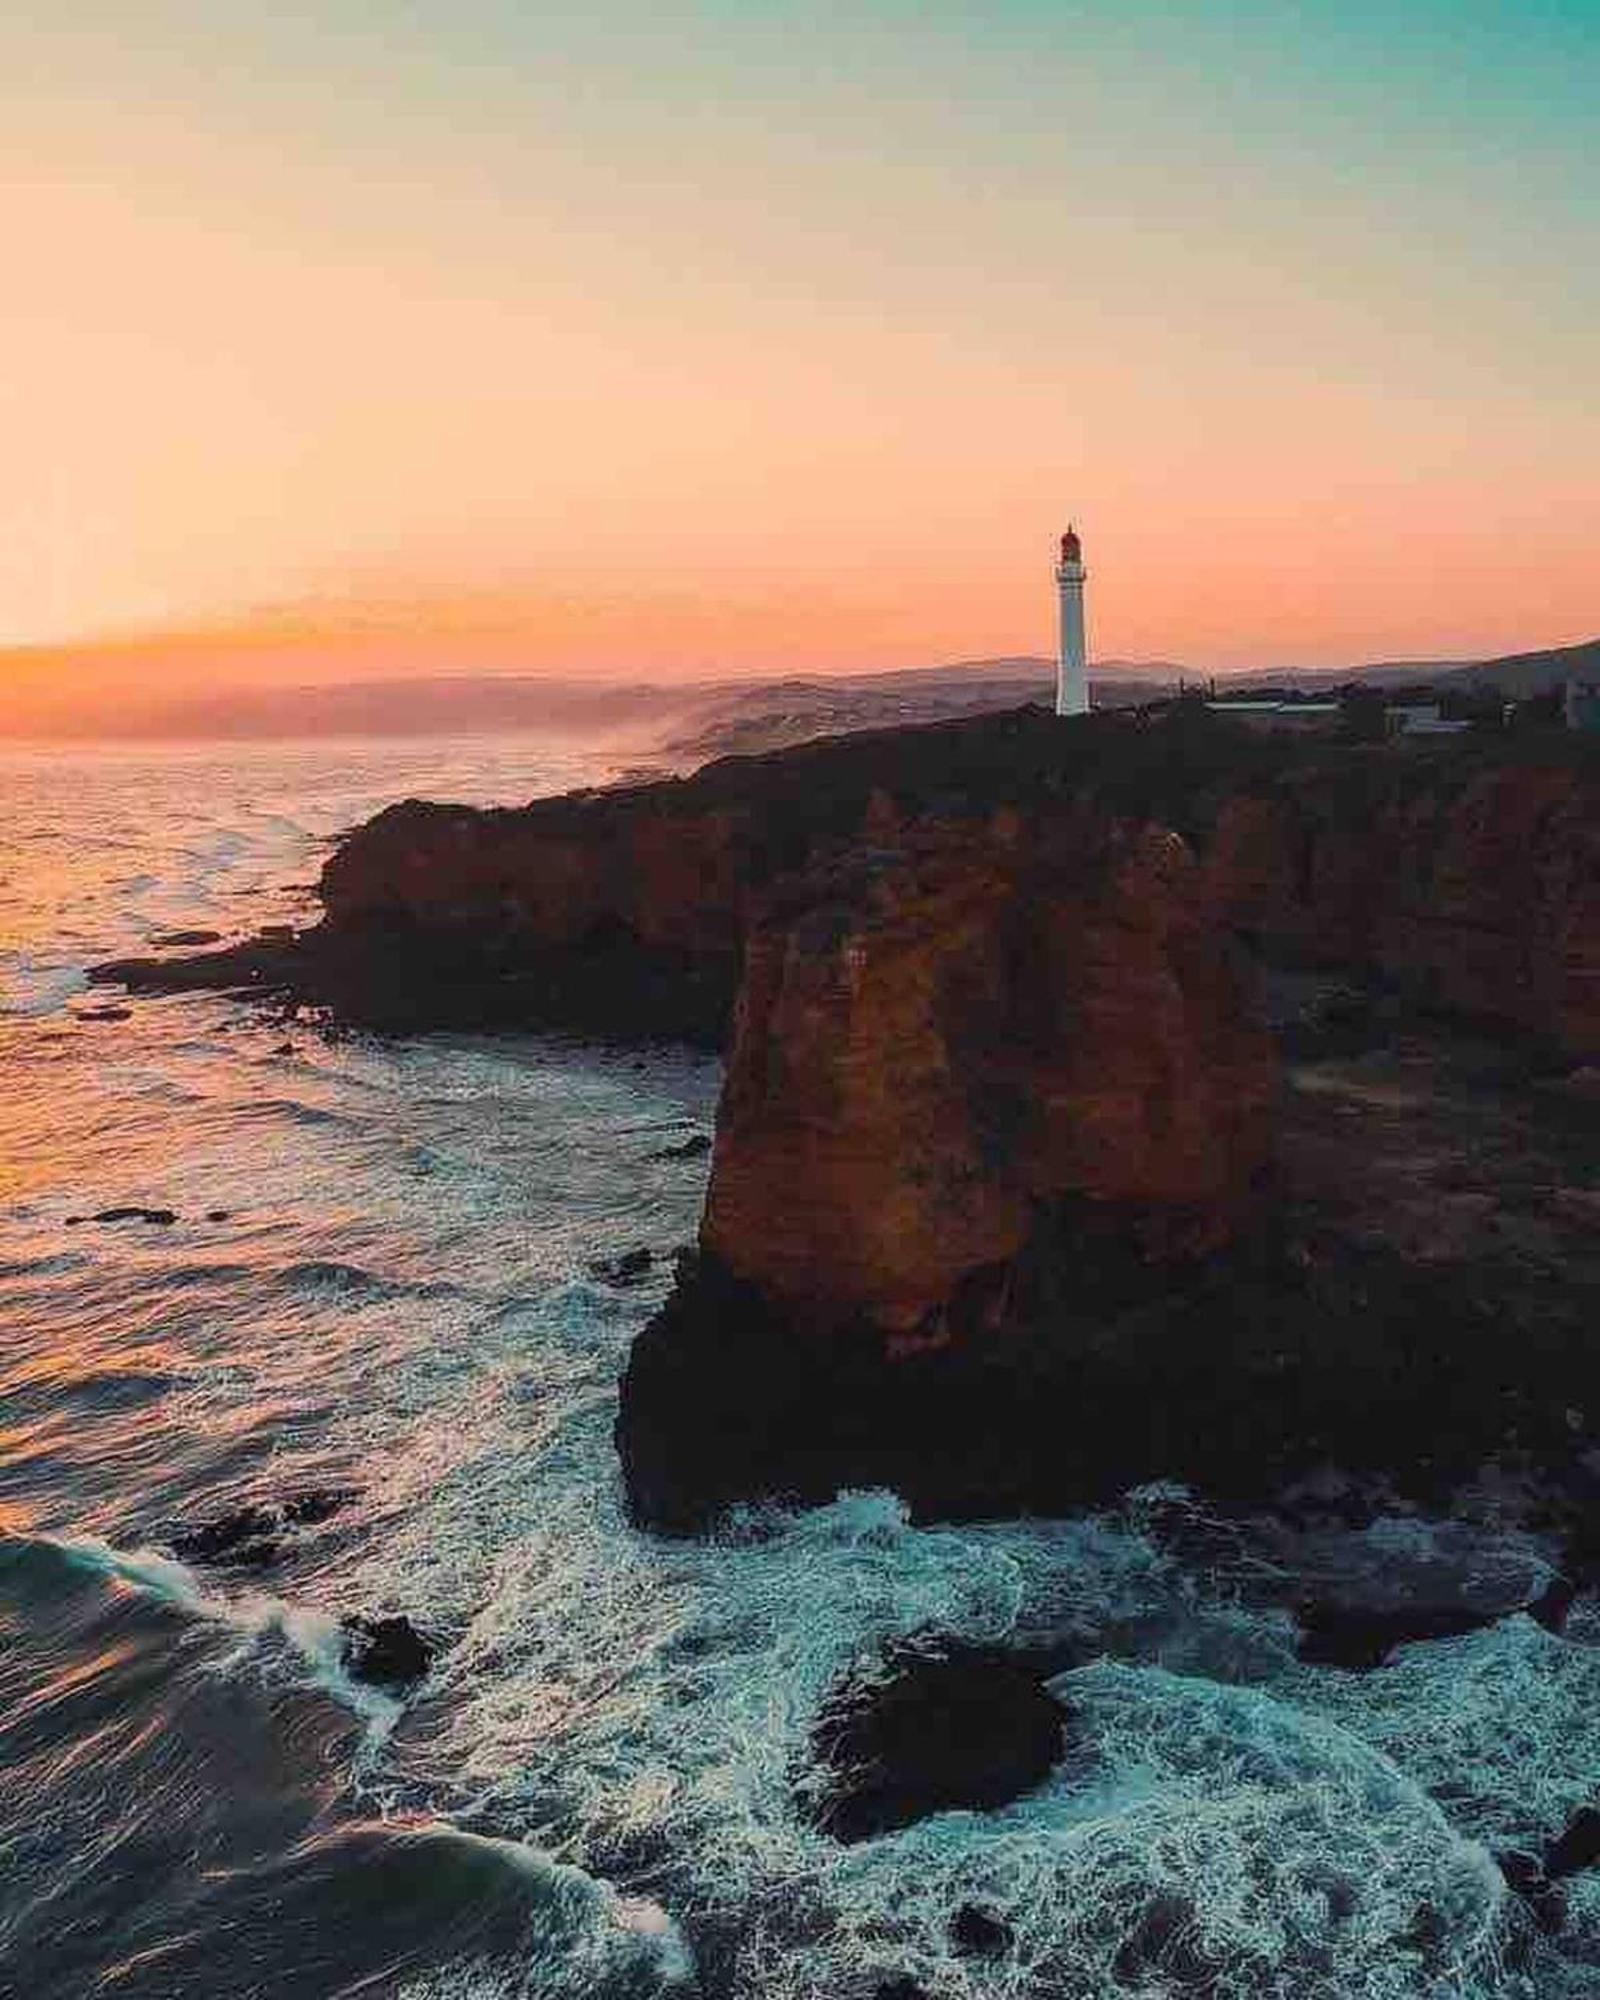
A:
(935, 1727)
(1525, 1877)
(1576, 1847)
(251, 1537)
(217, 1214)
(1361, 1637)
(1524, 1872)
(285, 1049)
(388, 1652)
(1553, 1605)
(631, 1268)
(693, 1148)
(261, 965)
(1236, 1375)
(245, 1538)
(103, 1014)
(320, 1504)
(978, 1931)
(1426, 1933)
(185, 940)
(131, 1214)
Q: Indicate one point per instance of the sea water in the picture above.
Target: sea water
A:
(379, 1282)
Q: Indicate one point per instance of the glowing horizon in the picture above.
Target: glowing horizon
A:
(769, 340)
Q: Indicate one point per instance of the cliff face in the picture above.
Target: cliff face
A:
(979, 1224)
(611, 912)
(1477, 887)
(1466, 870)
(935, 1039)
(550, 877)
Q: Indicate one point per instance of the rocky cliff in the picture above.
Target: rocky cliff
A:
(1467, 872)
(1003, 1212)
(1470, 879)
(992, 1214)
(1465, 869)
(944, 1031)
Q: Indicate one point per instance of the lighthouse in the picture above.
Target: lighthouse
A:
(1072, 677)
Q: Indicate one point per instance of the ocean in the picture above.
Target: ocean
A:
(378, 1291)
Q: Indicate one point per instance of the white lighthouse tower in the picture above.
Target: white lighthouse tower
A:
(1072, 675)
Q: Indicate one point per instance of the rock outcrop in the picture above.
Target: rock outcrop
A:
(940, 1038)
(1465, 870)
(614, 911)
(931, 1726)
(1471, 881)
(984, 1220)
(984, 1079)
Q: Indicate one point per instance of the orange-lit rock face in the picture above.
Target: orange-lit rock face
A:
(544, 877)
(1482, 896)
(933, 1041)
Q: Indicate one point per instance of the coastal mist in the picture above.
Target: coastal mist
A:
(358, 1306)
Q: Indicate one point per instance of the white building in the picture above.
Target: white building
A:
(1072, 669)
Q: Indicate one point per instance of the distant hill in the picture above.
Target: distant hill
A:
(687, 723)
(437, 706)
(1518, 675)
(695, 719)
(773, 715)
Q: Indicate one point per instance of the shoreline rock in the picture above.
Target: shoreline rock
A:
(990, 1216)
(933, 1726)
(388, 1653)
(1465, 870)
(159, 1217)
(252, 1536)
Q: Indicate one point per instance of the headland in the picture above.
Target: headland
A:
(1110, 1100)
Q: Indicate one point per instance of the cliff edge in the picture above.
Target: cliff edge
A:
(1012, 1203)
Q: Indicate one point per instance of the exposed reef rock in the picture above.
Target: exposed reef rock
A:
(253, 1536)
(386, 1652)
(185, 940)
(1362, 1637)
(1539, 1878)
(933, 1726)
(161, 1217)
(630, 1267)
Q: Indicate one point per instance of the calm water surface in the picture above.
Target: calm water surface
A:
(592, 1792)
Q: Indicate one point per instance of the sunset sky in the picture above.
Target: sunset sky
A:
(736, 336)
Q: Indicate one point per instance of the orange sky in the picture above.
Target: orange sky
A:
(766, 339)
